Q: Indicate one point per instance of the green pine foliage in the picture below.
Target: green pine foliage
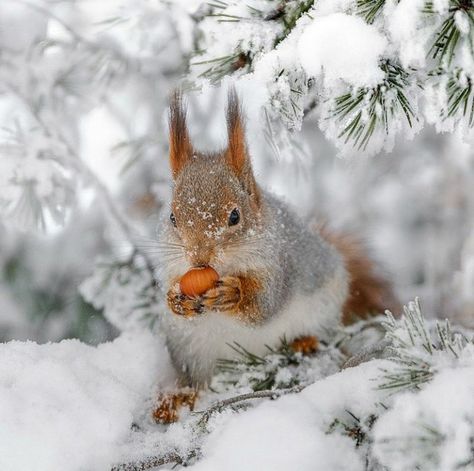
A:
(359, 114)
(362, 112)
(280, 368)
(416, 350)
(459, 89)
(449, 36)
(369, 9)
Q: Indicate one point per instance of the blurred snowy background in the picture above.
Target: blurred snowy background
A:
(83, 169)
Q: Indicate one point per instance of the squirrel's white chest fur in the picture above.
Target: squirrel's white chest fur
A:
(196, 344)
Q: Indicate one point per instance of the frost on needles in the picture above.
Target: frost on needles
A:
(392, 66)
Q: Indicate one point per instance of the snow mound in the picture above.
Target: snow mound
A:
(292, 432)
(440, 415)
(68, 406)
(342, 47)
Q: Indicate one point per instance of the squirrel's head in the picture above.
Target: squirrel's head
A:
(215, 210)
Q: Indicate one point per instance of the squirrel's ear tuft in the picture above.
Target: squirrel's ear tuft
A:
(180, 144)
(236, 154)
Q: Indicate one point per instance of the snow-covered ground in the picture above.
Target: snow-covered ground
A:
(69, 405)
(73, 407)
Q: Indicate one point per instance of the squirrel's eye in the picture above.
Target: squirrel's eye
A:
(173, 219)
(234, 217)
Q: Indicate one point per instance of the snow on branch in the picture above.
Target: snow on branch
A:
(416, 352)
(365, 64)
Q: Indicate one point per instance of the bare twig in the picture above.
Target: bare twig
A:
(358, 329)
(272, 394)
(155, 461)
(367, 354)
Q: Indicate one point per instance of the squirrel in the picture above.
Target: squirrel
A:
(278, 278)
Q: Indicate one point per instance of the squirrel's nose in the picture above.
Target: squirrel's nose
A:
(200, 255)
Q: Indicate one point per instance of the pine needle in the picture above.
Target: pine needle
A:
(370, 108)
(369, 9)
(415, 349)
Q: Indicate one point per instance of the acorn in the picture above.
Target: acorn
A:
(198, 280)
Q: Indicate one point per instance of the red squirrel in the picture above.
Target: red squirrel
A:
(277, 278)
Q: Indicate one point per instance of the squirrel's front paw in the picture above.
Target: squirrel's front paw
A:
(226, 296)
(183, 305)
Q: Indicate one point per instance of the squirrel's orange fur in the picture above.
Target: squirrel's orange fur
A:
(180, 144)
(369, 292)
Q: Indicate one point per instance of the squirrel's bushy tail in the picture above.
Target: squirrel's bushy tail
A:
(370, 293)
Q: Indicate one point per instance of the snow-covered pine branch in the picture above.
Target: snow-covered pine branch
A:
(416, 352)
(371, 68)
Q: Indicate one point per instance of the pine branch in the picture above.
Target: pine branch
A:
(449, 36)
(220, 67)
(369, 109)
(414, 349)
(286, 14)
(369, 9)
(260, 371)
(460, 97)
(367, 354)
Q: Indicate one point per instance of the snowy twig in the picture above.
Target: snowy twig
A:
(358, 329)
(155, 461)
(272, 394)
(367, 354)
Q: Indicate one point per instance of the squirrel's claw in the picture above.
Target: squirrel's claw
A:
(182, 305)
(226, 296)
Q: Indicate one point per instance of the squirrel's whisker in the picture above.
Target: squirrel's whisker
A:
(162, 252)
(144, 241)
(166, 256)
(150, 244)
